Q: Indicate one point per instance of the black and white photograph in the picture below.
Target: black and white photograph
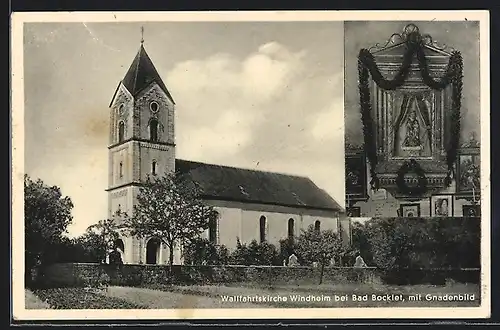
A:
(219, 165)
(409, 210)
(413, 114)
(441, 205)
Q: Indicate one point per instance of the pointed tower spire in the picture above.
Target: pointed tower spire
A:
(142, 73)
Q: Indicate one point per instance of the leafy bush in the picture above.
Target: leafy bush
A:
(115, 258)
(401, 243)
(255, 254)
(80, 298)
(201, 251)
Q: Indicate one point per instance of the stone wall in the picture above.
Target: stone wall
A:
(84, 274)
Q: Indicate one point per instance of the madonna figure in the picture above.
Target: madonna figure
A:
(412, 138)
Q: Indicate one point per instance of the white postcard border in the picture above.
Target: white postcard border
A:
(17, 223)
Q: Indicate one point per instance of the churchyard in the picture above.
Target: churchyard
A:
(212, 296)
(402, 257)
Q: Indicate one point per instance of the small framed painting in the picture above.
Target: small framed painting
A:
(353, 212)
(471, 211)
(409, 210)
(355, 177)
(442, 205)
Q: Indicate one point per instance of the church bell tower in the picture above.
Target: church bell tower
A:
(141, 143)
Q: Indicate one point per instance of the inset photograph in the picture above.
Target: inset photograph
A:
(412, 119)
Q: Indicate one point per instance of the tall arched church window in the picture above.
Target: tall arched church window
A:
(121, 131)
(213, 228)
(291, 228)
(153, 130)
(262, 229)
(317, 226)
(119, 244)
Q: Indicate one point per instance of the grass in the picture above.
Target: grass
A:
(81, 298)
(210, 296)
(325, 294)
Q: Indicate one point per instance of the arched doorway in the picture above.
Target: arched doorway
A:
(153, 251)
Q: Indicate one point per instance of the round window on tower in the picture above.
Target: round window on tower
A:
(154, 106)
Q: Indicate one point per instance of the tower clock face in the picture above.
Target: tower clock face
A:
(154, 107)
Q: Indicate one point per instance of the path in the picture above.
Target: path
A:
(33, 302)
(171, 300)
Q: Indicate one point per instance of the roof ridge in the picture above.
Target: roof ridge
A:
(246, 169)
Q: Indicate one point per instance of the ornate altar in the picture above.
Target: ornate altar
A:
(410, 99)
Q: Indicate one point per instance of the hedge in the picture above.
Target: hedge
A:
(90, 274)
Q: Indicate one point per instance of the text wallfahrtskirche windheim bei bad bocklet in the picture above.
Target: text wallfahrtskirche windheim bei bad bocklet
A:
(341, 298)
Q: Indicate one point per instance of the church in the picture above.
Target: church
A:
(251, 204)
(412, 120)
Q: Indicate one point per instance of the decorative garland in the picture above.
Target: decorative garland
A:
(453, 76)
(411, 167)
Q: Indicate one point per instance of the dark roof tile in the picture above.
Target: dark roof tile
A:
(245, 185)
(142, 73)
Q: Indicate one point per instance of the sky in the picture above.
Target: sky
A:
(259, 95)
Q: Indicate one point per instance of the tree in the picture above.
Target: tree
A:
(318, 246)
(47, 215)
(169, 208)
(241, 255)
(100, 238)
(360, 242)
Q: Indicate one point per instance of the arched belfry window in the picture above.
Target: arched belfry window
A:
(121, 131)
(317, 226)
(153, 130)
(262, 228)
(291, 228)
(153, 167)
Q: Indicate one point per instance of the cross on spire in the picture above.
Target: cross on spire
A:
(142, 34)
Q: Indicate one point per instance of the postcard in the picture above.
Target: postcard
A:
(250, 165)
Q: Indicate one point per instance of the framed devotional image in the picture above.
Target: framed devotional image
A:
(355, 177)
(442, 205)
(354, 211)
(409, 210)
(468, 169)
(471, 211)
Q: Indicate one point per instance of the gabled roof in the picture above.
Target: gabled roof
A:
(252, 186)
(141, 74)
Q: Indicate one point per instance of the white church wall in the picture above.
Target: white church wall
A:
(243, 220)
(326, 223)
(163, 156)
(121, 154)
(229, 227)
